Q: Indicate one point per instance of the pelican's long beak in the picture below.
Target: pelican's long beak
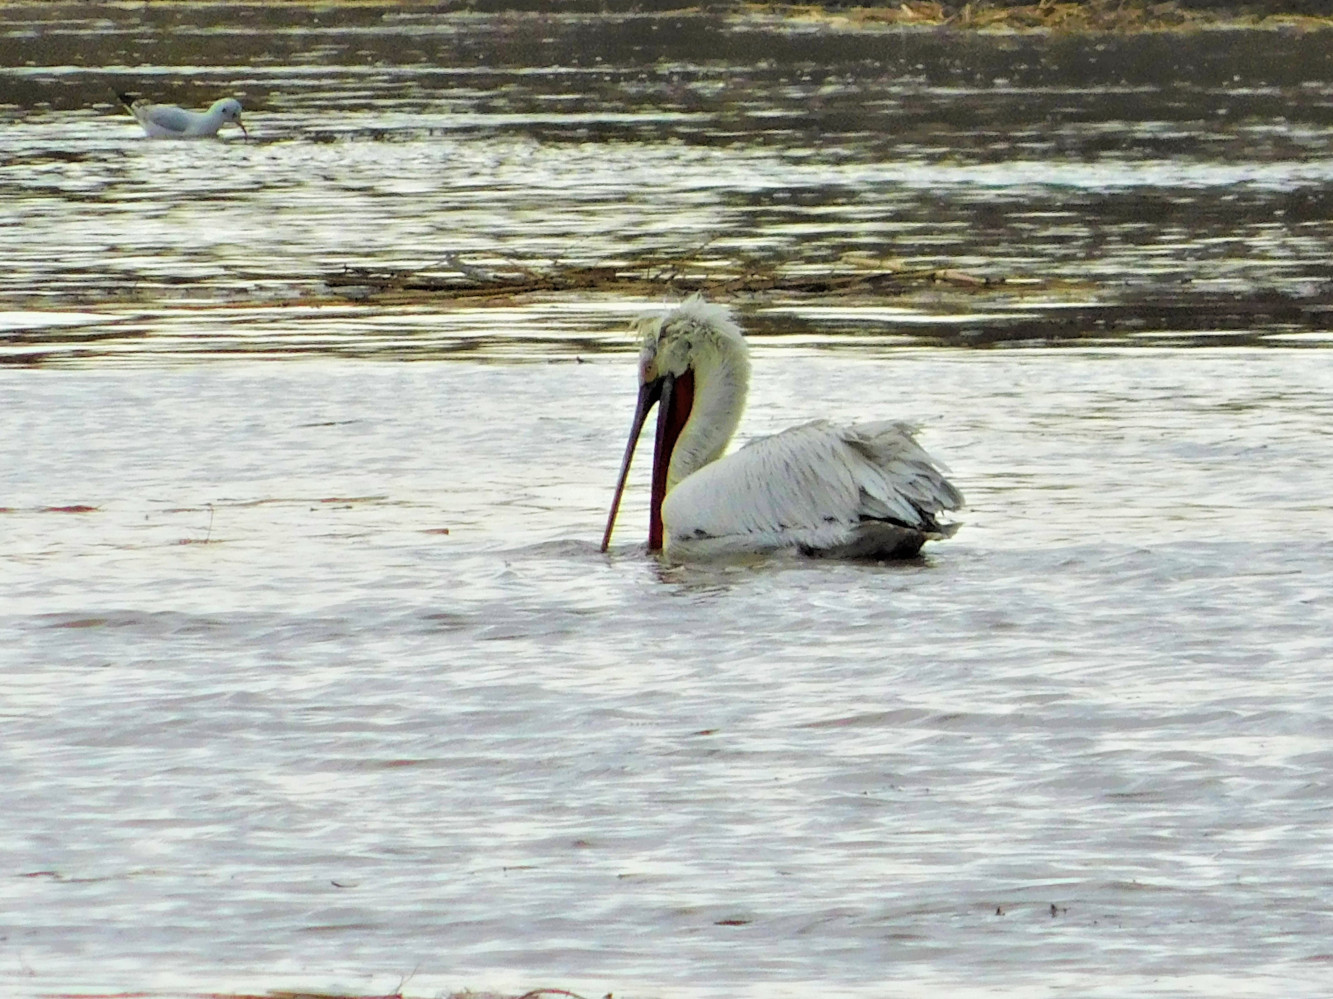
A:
(649, 394)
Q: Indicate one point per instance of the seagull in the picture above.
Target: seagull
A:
(166, 121)
(865, 491)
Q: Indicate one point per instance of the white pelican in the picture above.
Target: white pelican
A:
(166, 121)
(863, 491)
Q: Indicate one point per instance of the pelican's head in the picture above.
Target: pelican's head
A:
(229, 109)
(696, 336)
(694, 350)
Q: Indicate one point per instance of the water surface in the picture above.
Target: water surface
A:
(315, 678)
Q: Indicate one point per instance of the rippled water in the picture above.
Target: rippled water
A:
(315, 678)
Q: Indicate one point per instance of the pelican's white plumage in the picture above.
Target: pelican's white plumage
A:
(845, 492)
(861, 491)
(166, 121)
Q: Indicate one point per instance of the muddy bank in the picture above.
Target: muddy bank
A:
(1091, 14)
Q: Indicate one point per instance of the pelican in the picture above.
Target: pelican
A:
(166, 121)
(861, 491)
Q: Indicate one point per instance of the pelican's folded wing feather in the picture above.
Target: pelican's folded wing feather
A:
(897, 471)
(810, 487)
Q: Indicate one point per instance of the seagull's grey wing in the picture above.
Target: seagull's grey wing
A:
(167, 117)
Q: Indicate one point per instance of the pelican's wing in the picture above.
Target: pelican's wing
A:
(815, 487)
(902, 473)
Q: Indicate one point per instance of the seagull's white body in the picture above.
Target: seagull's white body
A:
(166, 121)
(861, 491)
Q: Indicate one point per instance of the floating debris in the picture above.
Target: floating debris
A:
(719, 279)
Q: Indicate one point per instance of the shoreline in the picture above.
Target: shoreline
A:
(1063, 17)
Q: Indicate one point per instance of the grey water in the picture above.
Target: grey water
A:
(311, 672)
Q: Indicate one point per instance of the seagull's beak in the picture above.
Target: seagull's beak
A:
(649, 393)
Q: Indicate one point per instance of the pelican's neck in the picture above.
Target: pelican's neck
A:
(721, 378)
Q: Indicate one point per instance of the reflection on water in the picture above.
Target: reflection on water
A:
(1163, 184)
(316, 680)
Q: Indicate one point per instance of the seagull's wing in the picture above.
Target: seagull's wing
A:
(816, 487)
(167, 119)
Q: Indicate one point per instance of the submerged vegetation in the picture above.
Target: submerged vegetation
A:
(718, 278)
